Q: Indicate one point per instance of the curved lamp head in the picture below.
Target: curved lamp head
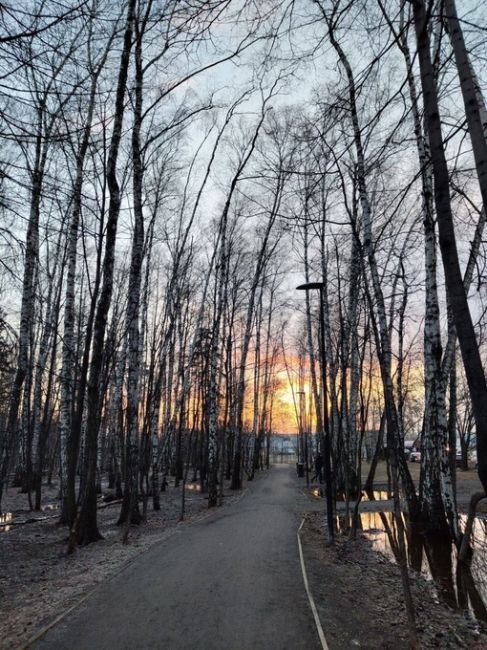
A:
(310, 285)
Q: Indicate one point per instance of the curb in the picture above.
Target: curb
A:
(312, 605)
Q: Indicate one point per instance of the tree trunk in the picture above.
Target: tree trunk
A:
(130, 509)
(453, 277)
(87, 527)
(377, 304)
(68, 444)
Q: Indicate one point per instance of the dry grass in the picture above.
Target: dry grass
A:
(467, 482)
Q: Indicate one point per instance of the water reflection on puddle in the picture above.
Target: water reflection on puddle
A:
(193, 487)
(5, 519)
(435, 557)
(378, 495)
(50, 506)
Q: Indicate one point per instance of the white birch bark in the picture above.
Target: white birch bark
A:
(436, 481)
(262, 259)
(28, 297)
(87, 526)
(130, 510)
(255, 450)
(378, 304)
(68, 448)
(454, 282)
(45, 346)
(213, 392)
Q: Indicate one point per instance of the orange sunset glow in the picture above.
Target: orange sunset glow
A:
(285, 407)
(286, 403)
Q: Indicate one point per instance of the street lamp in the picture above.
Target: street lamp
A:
(309, 286)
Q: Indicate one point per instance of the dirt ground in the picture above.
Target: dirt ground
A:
(360, 600)
(39, 581)
(358, 591)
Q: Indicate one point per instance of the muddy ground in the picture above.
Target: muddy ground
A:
(360, 601)
(39, 581)
(357, 590)
(357, 584)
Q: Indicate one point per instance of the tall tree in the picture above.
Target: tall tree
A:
(448, 245)
(86, 524)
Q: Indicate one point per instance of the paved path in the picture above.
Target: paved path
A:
(229, 582)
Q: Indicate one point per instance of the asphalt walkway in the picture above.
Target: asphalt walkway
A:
(229, 582)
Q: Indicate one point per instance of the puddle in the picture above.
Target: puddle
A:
(5, 520)
(435, 557)
(193, 487)
(50, 507)
(378, 495)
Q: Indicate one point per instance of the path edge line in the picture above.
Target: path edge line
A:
(312, 605)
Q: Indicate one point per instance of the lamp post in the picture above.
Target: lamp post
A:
(309, 286)
(304, 433)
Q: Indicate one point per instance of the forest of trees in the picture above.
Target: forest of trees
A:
(170, 171)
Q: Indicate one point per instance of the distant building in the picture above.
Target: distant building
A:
(283, 444)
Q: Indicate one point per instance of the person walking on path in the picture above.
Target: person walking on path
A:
(318, 475)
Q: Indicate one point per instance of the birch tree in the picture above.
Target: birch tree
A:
(447, 240)
(86, 524)
(42, 90)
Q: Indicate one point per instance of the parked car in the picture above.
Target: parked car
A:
(410, 446)
(415, 456)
